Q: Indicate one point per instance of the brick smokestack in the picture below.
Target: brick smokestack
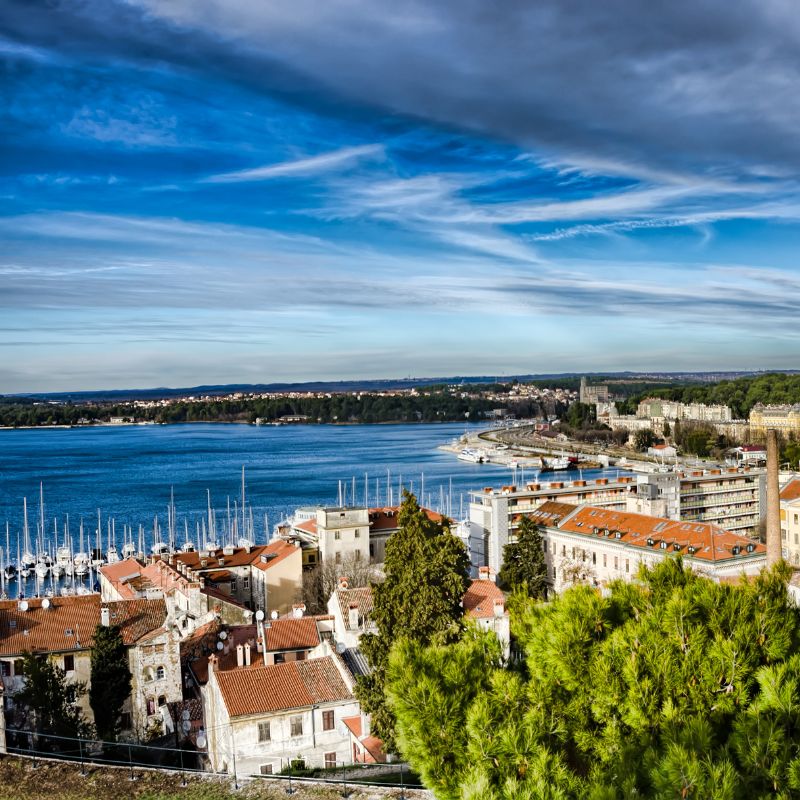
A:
(773, 500)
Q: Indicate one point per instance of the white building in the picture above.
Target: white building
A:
(485, 605)
(351, 610)
(260, 718)
(597, 545)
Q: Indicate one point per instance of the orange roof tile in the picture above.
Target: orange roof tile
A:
(274, 553)
(480, 598)
(295, 684)
(372, 744)
(69, 623)
(708, 542)
(791, 491)
(291, 634)
(309, 526)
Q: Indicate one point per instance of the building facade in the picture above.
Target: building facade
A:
(785, 419)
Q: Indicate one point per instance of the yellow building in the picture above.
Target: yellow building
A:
(785, 419)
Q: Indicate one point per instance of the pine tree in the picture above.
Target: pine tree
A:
(672, 687)
(111, 680)
(427, 573)
(51, 700)
(523, 561)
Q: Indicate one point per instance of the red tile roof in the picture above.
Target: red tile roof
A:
(309, 526)
(708, 541)
(362, 598)
(274, 553)
(791, 491)
(480, 598)
(372, 744)
(281, 687)
(291, 634)
(69, 623)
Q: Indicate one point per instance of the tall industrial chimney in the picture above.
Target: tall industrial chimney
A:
(773, 500)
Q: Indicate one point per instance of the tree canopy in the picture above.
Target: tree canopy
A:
(523, 561)
(672, 687)
(51, 700)
(111, 680)
(427, 573)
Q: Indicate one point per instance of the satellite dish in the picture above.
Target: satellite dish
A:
(23, 605)
(220, 645)
(260, 615)
(201, 740)
(273, 615)
(223, 635)
(46, 603)
(297, 613)
(340, 647)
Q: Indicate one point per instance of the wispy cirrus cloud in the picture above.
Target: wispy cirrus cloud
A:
(302, 167)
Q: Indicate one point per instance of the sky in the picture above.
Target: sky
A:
(222, 191)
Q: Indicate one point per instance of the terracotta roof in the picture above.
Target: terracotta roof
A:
(291, 634)
(276, 552)
(372, 744)
(309, 526)
(69, 623)
(708, 541)
(385, 519)
(360, 597)
(480, 598)
(295, 684)
(791, 491)
(240, 557)
(137, 618)
(218, 575)
(550, 513)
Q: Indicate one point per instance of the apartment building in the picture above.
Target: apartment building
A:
(597, 545)
(492, 511)
(673, 411)
(790, 521)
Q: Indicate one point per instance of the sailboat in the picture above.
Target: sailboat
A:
(112, 554)
(128, 547)
(97, 551)
(28, 559)
(56, 567)
(10, 568)
(81, 559)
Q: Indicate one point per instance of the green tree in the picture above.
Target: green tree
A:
(51, 700)
(672, 687)
(523, 561)
(427, 574)
(111, 680)
(643, 439)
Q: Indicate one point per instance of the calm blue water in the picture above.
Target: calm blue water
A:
(127, 471)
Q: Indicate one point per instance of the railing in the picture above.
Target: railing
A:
(133, 758)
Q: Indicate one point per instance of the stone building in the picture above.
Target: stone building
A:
(783, 418)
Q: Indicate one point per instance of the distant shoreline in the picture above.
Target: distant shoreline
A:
(230, 422)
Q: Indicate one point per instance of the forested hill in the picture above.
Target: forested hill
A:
(740, 394)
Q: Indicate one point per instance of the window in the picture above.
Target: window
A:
(627, 565)
(563, 550)
(265, 769)
(126, 721)
(279, 658)
(594, 558)
(327, 720)
(605, 560)
(5, 668)
(358, 534)
(357, 555)
(162, 701)
(338, 558)
(18, 668)
(69, 663)
(616, 562)
(312, 558)
(296, 726)
(160, 673)
(151, 706)
(245, 583)
(233, 584)
(330, 760)
(264, 733)
(337, 535)
(371, 550)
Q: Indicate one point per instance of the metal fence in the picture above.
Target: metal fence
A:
(187, 761)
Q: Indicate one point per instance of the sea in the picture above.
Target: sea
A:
(130, 472)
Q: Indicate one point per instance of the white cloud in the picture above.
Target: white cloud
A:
(301, 167)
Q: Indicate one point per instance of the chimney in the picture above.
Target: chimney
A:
(247, 654)
(773, 500)
(499, 608)
(484, 573)
(239, 655)
(365, 725)
(353, 615)
(105, 616)
(343, 582)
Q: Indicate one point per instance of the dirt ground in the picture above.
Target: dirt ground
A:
(54, 781)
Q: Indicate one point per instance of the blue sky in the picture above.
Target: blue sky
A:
(199, 191)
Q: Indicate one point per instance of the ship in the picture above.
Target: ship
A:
(473, 455)
(556, 463)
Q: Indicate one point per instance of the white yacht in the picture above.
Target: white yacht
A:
(473, 455)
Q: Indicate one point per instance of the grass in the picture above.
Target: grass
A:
(58, 781)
